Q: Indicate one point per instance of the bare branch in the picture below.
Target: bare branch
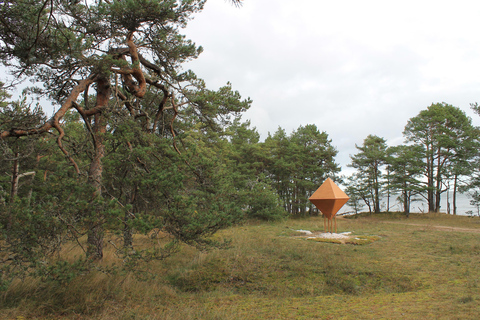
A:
(60, 130)
(161, 106)
(85, 120)
(149, 65)
(237, 3)
(26, 174)
(171, 124)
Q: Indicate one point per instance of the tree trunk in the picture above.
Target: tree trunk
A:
(438, 188)
(438, 183)
(14, 185)
(455, 181)
(430, 183)
(431, 200)
(388, 189)
(406, 201)
(95, 226)
(388, 201)
(13, 190)
(448, 199)
(127, 232)
(301, 203)
(377, 193)
(437, 201)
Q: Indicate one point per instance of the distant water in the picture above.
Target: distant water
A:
(419, 206)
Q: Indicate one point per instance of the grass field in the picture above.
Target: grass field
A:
(424, 267)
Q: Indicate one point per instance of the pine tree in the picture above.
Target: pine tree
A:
(134, 147)
(369, 161)
(446, 135)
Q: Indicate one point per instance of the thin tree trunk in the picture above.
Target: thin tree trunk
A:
(437, 196)
(430, 184)
(455, 181)
(13, 191)
(438, 186)
(388, 189)
(377, 193)
(388, 201)
(448, 199)
(14, 184)
(406, 201)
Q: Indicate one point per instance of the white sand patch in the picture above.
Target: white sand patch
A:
(343, 237)
(328, 235)
(304, 231)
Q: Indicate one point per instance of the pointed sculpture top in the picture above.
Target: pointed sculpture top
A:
(329, 190)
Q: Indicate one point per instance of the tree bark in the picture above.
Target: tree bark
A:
(455, 195)
(430, 183)
(438, 183)
(95, 225)
(377, 193)
(406, 201)
(14, 184)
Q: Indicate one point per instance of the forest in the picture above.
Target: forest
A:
(141, 150)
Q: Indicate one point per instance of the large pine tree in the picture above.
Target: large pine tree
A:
(118, 64)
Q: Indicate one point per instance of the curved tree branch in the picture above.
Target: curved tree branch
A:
(67, 105)
(161, 105)
(85, 120)
(171, 124)
(60, 130)
(140, 88)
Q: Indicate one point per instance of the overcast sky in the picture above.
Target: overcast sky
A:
(350, 67)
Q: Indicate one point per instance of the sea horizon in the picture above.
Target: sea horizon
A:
(419, 205)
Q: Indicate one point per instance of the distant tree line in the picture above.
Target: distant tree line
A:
(441, 153)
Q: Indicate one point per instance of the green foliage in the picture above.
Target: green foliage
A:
(130, 14)
(30, 235)
(246, 164)
(369, 162)
(447, 138)
(62, 272)
(298, 165)
(143, 155)
(264, 204)
(475, 202)
(144, 148)
(440, 150)
(405, 168)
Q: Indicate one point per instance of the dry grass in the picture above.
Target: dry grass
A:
(414, 270)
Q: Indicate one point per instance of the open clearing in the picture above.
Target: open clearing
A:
(423, 267)
(436, 227)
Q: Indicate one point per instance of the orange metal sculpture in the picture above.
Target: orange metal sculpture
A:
(329, 198)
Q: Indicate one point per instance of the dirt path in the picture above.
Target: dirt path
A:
(434, 227)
